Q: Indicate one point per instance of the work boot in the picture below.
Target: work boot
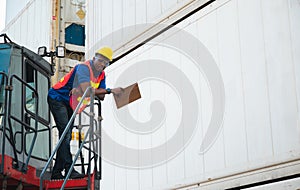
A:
(75, 175)
(57, 175)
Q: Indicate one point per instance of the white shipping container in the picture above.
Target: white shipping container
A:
(32, 25)
(220, 92)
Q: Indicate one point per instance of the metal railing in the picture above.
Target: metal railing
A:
(90, 133)
(22, 122)
(4, 81)
(7, 119)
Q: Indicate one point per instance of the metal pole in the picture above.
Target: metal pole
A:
(92, 115)
(80, 142)
(4, 122)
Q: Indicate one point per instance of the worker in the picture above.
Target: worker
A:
(62, 105)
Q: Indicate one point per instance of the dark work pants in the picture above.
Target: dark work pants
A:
(62, 113)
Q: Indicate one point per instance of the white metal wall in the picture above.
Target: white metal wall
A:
(14, 7)
(255, 44)
(104, 17)
(32, 25)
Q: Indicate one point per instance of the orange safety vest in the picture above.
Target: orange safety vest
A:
(74, 99)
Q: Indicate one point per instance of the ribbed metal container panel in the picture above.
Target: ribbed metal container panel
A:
(32, 25)
(104, 17)
(254, 46)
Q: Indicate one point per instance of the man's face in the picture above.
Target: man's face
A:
(100, 62)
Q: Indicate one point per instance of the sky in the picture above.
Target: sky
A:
(2, 14)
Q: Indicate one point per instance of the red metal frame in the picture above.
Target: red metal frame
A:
(30, 181)
(56, 184)
(27, 178)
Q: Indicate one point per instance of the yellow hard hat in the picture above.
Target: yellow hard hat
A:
(106, 52)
